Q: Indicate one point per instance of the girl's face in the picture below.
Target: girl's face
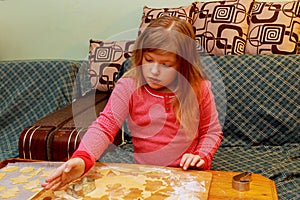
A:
(160, 70)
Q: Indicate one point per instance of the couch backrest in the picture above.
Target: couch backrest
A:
(262, 97)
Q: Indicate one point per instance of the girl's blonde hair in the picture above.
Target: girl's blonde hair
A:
(171, 34)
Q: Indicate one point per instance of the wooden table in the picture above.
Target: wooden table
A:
(220, 182)
(260, 187)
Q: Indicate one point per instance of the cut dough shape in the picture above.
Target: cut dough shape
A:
(2, 175)
(10, 168)
(115, 189)
(2, 188)
(36, 172)
(155, 185)
(10, 193)
(109, 172)
(125, 182)
(133, 193)
(20, 179)
(26, 169)
(47, 173)
(31, 185)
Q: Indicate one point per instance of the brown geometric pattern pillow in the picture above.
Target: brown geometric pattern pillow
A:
(105, 60)
(274, 28)
(222, 26)
(149, 14)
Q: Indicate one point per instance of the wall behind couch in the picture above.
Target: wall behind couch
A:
(61, 29)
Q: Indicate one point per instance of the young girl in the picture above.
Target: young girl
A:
(167, 99)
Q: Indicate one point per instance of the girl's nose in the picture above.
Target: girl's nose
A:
(155, 68)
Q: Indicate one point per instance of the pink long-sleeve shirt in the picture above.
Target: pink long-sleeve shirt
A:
(157, 137)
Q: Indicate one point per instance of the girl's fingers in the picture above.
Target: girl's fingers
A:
(195, 160)
(191, 160)
(187, 162)
(56, 174)
(59, 182)
(183, 159)
(50, 184)
(66, 173)
(200, 163)
(55, 178)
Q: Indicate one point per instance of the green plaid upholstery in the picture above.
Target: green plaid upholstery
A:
(263, 97)
(121, 154)
(30, 90)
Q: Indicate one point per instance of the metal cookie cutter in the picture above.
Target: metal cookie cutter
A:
(241, 182)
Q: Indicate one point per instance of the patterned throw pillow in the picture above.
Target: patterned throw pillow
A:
(222, 26)
(149, 14)
(105, 60)
(274, 28)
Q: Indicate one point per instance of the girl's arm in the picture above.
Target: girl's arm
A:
(103, 130)
(210, 130)
(98, 136)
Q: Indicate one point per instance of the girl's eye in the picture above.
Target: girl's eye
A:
(165, 65)
(148, 60)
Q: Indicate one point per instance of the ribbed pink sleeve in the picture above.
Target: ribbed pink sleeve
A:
(102, 131)
(210, 130)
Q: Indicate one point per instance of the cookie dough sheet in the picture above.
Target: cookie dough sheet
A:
(22, 180)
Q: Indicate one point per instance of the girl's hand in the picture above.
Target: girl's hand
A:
(191, 160)
(66, 173)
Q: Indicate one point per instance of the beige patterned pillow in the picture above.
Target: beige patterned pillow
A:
(149, 14)
(274, 28)
(222, 26)
(105, 60)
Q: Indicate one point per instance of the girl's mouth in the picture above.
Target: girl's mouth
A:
(153, 80)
